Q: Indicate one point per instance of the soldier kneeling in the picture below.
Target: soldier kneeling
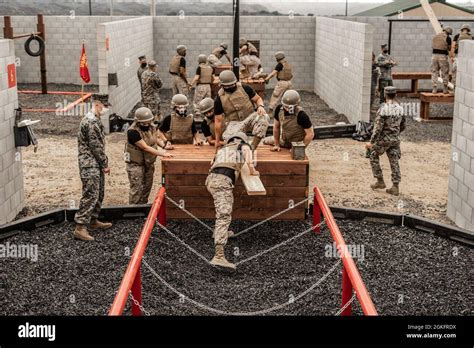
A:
(388, 124)
(220, 182)
(179, 127)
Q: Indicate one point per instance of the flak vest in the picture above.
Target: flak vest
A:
(439, 42)
(291, 131)
(237, 106)
(174, 64)
(180, 129)
(286, 74)
(217, 52)
(230, 156)
(206, 74)
(463, 36)
(251, 49)
(137, 155)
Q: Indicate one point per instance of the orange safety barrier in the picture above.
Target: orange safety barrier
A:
(351, 278)
(132, 281)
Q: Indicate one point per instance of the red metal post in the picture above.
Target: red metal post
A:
(137, 293)
(346, 292)
(162, 214)
(316, 216)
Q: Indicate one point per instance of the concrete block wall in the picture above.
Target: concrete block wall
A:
(12, 194)
(343, 55)
(126, 41)
(64, 35)
(295, 36)
(461, 170)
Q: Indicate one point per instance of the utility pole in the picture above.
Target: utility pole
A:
(235, 46)
(153, 8)
(346, 6)
(111, 8)
(90, 7)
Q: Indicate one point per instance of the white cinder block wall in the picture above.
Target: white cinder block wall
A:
(200, 35)
(64, 35)
(127, 40)
(12, 194)
(343, 56)
(461, 170)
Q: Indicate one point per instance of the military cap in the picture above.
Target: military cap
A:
(151, 63)
(390, 90)
(142, 57)
(384, 46)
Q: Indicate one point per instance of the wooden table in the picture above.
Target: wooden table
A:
(285, 180)
(414, 77)
(427, 98)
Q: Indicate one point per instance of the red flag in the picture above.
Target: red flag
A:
(83, 68)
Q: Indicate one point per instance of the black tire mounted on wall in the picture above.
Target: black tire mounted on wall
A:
(40, 44)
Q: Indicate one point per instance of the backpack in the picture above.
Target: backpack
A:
(363, 131)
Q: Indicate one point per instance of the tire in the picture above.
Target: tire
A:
(40, 44)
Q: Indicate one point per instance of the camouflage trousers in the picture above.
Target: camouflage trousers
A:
(221, 189)
(178, 85)
(141, 182)
(454, 70)
(202, 91)
(373, 87)
(439, 65)
(213, 61)
(93, 184)
(154, 106)
(382, 84)
(280, 88)
(254, 123)
(393, 153)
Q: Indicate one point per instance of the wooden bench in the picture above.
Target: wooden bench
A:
(284, 179)
(427, 98)
(414, 77)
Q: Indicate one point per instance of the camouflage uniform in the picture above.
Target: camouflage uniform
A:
(385, 63)
(255, 124)
(151, 92)
(374, 81)
(140, 72)
(92, 161)
(439, 65)
(389, 122)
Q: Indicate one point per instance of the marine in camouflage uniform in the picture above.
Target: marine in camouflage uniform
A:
(220, 182)
(177, 69)
(389, 122)
(464, 34)
(93, 164)
(203, 79)
(441, 45)
(385, 64)
(151, 90)
(140, 71)
(284, 74)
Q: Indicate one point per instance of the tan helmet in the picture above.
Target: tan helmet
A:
(279, 55)
(143, 115)
(181, 49)
(202, 58)
(242, 41)
(179, 100)
(240, 135)
(224, 45)
(152, 63)
(449, 30)
(291, 98)
(466, 27)
(227, 78)
(205, 105)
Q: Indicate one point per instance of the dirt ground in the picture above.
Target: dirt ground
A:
(338, 166)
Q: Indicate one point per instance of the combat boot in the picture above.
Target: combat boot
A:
(379, 184)
(220, 260)
(393, 190)
(435, 90)
(99, 225)
(445, 90)
(81, 233)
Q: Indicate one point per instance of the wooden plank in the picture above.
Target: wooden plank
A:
(267, 181)
(201, 191)
(264, 167)
(436, 98)
(206, 201)
(431, 16)
(238, 213)
(424, 75)
(252, 183)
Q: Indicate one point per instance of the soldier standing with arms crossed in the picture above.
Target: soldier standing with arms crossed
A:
(385, 63)
(152, 83)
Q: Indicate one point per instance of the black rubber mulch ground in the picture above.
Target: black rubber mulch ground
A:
(407, 272)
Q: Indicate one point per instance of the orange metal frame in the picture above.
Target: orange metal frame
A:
(131, 281)
(351, 278)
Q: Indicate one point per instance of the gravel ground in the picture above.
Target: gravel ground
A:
(406, 272)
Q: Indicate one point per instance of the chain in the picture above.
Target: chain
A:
(280, 244)
(143, 310)
(348, 303)
(189, 213)
(260, 312)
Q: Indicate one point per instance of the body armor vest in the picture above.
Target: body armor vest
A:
(251, 49)
(230, 156)
(237, 106)
(290, 129)
(217, 52)
(206, 74)
(463, 36)
(286, 74)
(137, 155)
(180, 129)
(175, 64)
(439, 42)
